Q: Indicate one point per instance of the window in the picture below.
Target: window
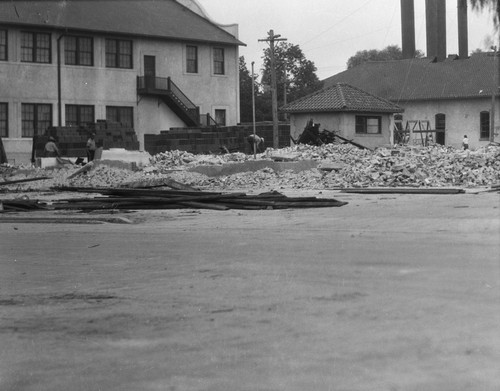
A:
(218, 61)
(35, 47)
(122, 115)
(36, 118)
(78, 51)
(118, 53)
(4, 123)
(3, 45)
(368, 125)
(191, 59)
(79, 115)
(484, 125)
(220, 117)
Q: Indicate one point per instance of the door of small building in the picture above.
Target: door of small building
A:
(150, 71)
(440, 122)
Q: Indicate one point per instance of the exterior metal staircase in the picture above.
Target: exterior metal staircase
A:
(165, 89)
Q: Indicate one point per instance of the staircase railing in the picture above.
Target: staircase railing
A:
(165, 84)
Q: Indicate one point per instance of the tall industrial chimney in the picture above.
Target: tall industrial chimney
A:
(435, 17)
(463, 44)
(408, 28)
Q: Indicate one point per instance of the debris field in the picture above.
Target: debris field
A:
(340, 166)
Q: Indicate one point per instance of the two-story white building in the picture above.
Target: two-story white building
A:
(147, 64)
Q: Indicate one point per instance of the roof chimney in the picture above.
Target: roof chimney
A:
(435, 17)
(408, 28)
(463, 44)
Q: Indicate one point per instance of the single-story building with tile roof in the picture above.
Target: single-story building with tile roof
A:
(454, 94)
(355, 114)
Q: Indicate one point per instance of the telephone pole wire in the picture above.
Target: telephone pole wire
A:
(271, 39)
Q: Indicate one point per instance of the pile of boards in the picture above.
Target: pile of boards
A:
(140, 199)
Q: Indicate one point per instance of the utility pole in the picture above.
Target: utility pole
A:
(271, 39)
(253, 112)
(493, 94)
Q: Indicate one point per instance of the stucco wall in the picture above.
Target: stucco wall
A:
(100, 86)
(345, 123)
(462, 117)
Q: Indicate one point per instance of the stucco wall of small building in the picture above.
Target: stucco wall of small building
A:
(462, 117)
(345, 125)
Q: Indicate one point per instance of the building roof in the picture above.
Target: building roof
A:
(341, 97)
(422, 79)
(166, 19)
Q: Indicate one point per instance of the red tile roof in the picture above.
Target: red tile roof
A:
(165, 19)
(341, 97)
(422, 79)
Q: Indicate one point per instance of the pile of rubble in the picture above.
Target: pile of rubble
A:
(339, 166)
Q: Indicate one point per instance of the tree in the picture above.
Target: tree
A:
(493, 5)
(391, 52)
(296, 75)
(246, 114)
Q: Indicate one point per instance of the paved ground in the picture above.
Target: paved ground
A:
(392, 292)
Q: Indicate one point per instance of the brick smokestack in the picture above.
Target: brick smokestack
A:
(463, 33)
(408, 28)
(435, 18)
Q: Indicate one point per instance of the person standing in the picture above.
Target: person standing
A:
(91, 147)
(465, 143)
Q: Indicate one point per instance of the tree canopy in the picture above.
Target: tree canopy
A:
(391, 52)
(294, 72)
(493, 5)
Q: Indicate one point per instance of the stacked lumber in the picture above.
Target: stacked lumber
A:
(121, 198)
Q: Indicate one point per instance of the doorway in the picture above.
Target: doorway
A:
(150, 71)
(440, 122)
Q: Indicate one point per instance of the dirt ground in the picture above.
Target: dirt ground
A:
(389, 292)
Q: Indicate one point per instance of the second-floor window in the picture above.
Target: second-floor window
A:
(484, 125)
(118, 53)
(78, 51)
(3, 45)
(368, 124)
(120, 114)
(218, 61)
(35, 118)
(79, 115)
(191, 59)
(4, 122)
(35, 47)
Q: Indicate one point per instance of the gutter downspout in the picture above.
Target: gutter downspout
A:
(59, 92)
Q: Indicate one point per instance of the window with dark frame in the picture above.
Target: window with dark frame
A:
(4, 120)
(78, 50)
(484, 125)
(220, 117)
(79, 115)
(3, 45)
(368, 124)
(191, 59)
(120, 114)
(118, 53)
(218, 61)
(35, 47)
(35, 118)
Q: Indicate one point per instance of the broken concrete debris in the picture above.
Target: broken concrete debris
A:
(336, 166)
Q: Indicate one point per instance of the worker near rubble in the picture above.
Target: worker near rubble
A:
(465, 143)
(91, 147)
(51, 149)
(257, 142)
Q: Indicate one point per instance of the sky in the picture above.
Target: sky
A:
(331, 31)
